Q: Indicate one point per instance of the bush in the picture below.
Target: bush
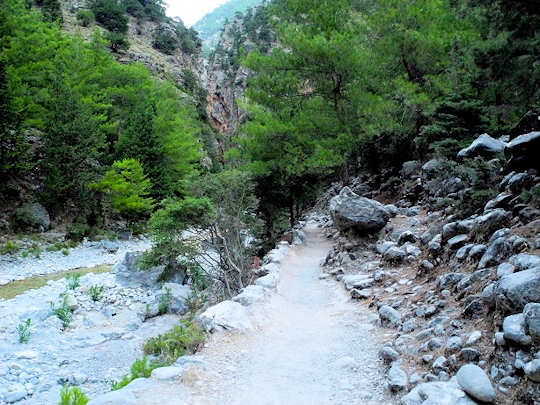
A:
(24, 219)
(110, 14)
(96, 291)
(117, 41)
(9, 248)
(85, 17)
(73, 281)
(63, 312)
(182, 339)
(51, 9)
(164, 302)
(72, 396)
(141, 368)
(165, 41)
(77, 231)
(23, 330)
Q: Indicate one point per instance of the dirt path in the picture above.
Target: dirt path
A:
(312, 345)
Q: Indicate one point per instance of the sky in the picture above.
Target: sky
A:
(191, 11)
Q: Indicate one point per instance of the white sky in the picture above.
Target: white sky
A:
(191, 11)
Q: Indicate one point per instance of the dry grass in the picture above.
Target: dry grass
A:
(15, 288)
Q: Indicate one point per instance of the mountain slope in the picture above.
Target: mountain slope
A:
(209, 27)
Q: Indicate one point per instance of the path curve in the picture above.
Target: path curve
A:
(311, 346)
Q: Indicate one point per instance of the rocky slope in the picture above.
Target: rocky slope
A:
(459, 290)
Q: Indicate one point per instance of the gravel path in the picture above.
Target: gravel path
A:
(312, 345)
(88, 254)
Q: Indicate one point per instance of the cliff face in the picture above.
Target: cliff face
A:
(226, 79)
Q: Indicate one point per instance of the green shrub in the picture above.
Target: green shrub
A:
(141, 368)
(73, 281)
(77, 231)
(25, 220)
(63, 312)
(85, 17)
(117, 41)
(96, 291)
(164, 302)
(23, 330)
(72, 396)
(164, 41)
(182, 339)
(9, 248)
(110, 14)
(51, 9)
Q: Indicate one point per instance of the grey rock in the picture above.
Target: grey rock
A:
(469, 354)
(504, 269)
(269, 281)
(434, 245)
(15, 395)
(397, 378)
(524, 261)
(350, 211)
(109, 246)
(532, 370)
(384, 246)
(449, 280)
(394, 255)
(129, 274)
(409, 325)
(475, 382)
(474, 337)
(406, 236)
(432, 167)
(516, 290)
(388, 354)
(38, 215)
(228, 315)
(362, 294)
(411, 167)
(499, 202)
(426, 266)
(474, 309)
(250, 295)
(440, 364)
(490, 222)
(178, 297)
(477, 251)
(497, 251)
(499, 338)
(453, 343)
(463, 251)
(531, 313)
(437, 393)
(457, 241)
(358, 281)
(514, 329)
(390, 316)
(484, 145)
(508, 381)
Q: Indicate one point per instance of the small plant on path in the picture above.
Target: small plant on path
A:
(141, 368)
(164, 301)
(23, 329)
(96, 291)
(73, 281)
(63, 312)
(72, 396)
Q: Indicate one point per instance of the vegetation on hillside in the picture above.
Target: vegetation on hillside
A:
(212, 23)
(372, 84)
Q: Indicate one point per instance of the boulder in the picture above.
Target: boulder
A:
(514, 330)
(475, 382)
(528, 123)
(358, 281)
(457, 241)
(411, 167)
(437, 393)
(501, 201)
(531, 312)
(269, 281)
(522, 152)
(497, 251)
(397, 378)
(227, 315)
(516, 290)
(350, 211)
(109, 246)
(433, 166)
(179, 295)
(33, 216)
(492, 221)
(448, 280)
(129, 274)
(394, 255)
(250, 295)
(484, 145)
(524, 261)
(388, 354)
(532, 370)
(390, 316)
